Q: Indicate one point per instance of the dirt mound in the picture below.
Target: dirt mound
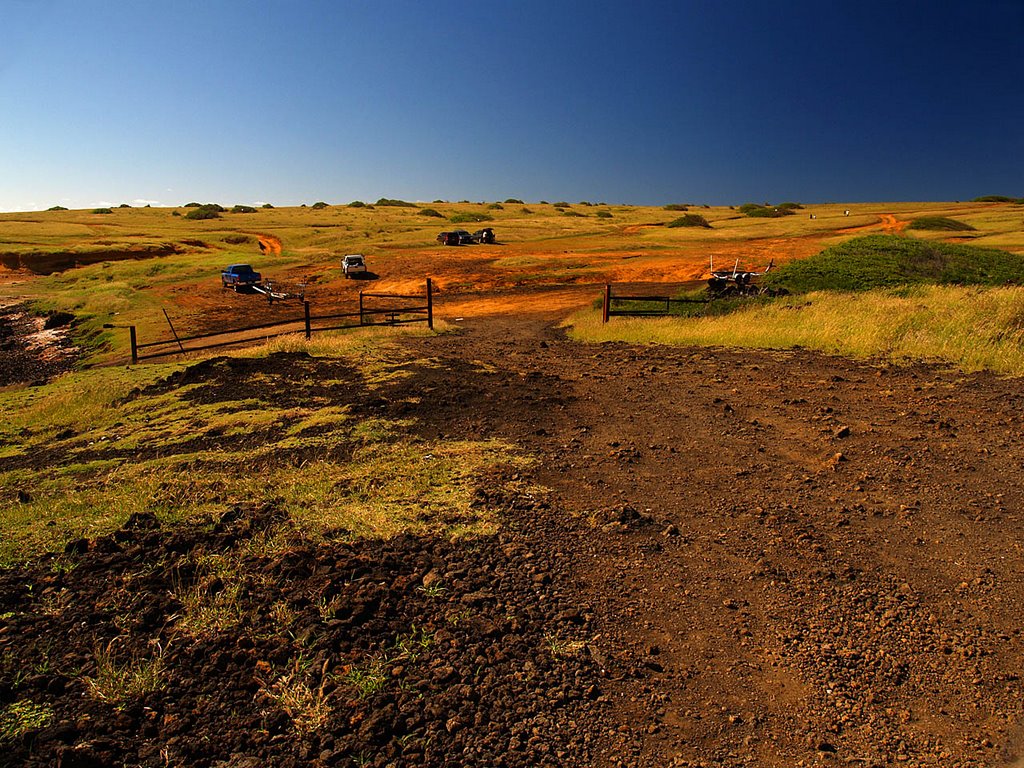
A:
(270, 244)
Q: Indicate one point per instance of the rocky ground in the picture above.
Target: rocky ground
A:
(740, 559)
(33, 348)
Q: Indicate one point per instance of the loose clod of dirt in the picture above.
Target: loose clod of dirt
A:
(741, 559)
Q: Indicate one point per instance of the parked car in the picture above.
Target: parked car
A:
(484, 236)
(239, 276)
(353, 264)
(455, 237)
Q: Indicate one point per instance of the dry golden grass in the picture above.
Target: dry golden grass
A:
(972, 329)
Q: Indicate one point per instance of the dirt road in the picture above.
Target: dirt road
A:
(741, 559)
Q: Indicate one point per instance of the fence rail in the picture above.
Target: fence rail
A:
(366, 316)
(608, 308)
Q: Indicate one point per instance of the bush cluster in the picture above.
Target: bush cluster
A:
(676, 207)
(395, 203)
(318, 206)
(690, 220)
(766, 211)
(496, 207)
(514, 201)
(998, 199)
(431, 212)
(101, 210)
(243, 209)
(57, 208)
(604, 214)
(357, 204)
(210, 211)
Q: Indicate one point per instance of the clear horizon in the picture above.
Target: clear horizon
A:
(645, 104)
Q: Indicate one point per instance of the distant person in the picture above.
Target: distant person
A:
(846, 212)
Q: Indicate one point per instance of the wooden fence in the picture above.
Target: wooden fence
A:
(640, 306)
(396, 312)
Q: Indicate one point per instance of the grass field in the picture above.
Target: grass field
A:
(539, 244)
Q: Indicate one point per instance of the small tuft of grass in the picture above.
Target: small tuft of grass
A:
(118, 682)
(21, 717)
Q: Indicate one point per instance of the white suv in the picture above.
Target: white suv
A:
(353, 264)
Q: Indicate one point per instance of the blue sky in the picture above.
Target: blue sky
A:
(624, 102)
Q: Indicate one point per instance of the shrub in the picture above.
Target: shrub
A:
(996, 199)
(191, 205)
(101, 210)
(465, 218)
(526, 211)
(357, 204)
(514, 201)
(203, 212)
(562, 205)
(319, 205)
(496, 207)
(690, 220)
(878, 261)
(124, 205)
(243, 209)
(576, 214)
(604, 214)
(543, 202)
(940, 223)
(584, 202)
(237, 239)
(790, 206)
(431, 212)
(765, 211)
(676, 207)
(57, 208)
(175, 213)
(266, 205)
(395, 203)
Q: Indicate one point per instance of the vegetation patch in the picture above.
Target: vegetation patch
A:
(318, 206)
(940, 224)
(690, 220)
(431, 212)
(204, 212)
(676, 207)
(765, 211)
(243, 209)
(998, 199)
(102, 210)
(887, 260)
(466, 218)
(388, 202)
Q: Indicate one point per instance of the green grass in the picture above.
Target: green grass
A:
(940, 224)
(887, 260)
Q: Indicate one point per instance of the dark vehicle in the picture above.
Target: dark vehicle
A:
(484, 236)
(455, 237)
(239, 276)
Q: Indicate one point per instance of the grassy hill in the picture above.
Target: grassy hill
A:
(878, 261)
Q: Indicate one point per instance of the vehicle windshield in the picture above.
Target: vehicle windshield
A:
(355, 260)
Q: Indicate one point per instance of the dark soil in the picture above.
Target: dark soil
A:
(20, 362)
(744, 558)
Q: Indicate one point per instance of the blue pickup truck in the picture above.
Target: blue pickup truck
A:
(239, 276)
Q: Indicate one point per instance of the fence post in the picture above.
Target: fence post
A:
(430, 305)
(135, 345)
(360, 308)
(607, 302)
(305, 309)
